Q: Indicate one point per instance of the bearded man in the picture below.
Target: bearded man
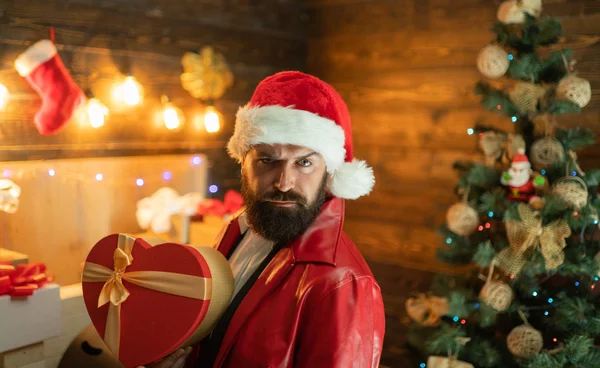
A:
(303, 294)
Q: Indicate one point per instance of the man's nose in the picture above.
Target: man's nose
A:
(287, 179)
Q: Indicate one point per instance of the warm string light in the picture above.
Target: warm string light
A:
(209, 120)
(173, 117)
(4, 96)
(97, 177)
(93, 113)
(130, 92)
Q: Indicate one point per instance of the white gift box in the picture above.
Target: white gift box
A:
(31, 319)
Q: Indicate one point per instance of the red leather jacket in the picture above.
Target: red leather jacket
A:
(315, 305)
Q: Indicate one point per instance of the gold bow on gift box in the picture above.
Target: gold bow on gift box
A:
(527, 235)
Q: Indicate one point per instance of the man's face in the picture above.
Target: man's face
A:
(284, 189)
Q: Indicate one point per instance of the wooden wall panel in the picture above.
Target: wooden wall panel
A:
(98, 40)
(407, 70)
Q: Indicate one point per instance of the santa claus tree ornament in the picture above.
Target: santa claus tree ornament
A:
(462, 219)
(575, 89)
(546, 152)
(61, 97)
(572, 190)
(526, 96)
(513, 11)
(525, 342)
(493, 61)
(519, 179)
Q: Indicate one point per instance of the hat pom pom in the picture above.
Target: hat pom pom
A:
(352, 180)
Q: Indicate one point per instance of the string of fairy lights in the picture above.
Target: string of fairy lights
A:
(161, 177)
(128, 92)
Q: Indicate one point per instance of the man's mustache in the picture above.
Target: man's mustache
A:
(280, 196)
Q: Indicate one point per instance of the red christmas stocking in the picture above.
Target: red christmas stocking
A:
(61, 97)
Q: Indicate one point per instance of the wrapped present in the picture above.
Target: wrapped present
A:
(30, 319)
(22, 280)
(154, 213)
(29, 305)
(146, 299)
(232, 202)
(204, 227)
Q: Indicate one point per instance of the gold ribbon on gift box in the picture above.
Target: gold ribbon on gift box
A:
(115, 293)
(527, 235)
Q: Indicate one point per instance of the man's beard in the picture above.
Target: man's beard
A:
(281, 224)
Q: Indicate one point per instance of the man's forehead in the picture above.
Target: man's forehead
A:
(282, 149)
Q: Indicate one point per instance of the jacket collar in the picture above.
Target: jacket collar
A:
(318, 244)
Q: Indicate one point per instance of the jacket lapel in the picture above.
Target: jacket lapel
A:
(278, 268)
(228, 237)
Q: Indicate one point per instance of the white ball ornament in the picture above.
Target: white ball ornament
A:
(462, 219)
(493, 61)
(497, 295)
(574, 89)
(525, 342)
(513, 11)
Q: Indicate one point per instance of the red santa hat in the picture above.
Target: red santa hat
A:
(300, 109)
(520, 160)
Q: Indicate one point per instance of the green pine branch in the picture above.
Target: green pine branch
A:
(550, 31)
(482, 353)
(553, 68)
(527, 68)
(592, 178)
(483, 176)
(562, 107)
(445, 339)
(485, 254)
(495, 100)
(575, 138)
(577, 315)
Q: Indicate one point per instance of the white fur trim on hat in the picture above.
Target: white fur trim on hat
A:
(354, 179)
(34, 56)
(286, 125)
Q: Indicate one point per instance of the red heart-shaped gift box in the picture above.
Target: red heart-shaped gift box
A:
(148, 299)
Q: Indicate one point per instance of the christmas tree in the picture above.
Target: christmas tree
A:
(526, 217)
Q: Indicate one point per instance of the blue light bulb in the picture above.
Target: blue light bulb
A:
(534, 293)
(550, 300)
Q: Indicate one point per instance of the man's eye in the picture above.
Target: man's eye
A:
(304, 163)
(266, 160)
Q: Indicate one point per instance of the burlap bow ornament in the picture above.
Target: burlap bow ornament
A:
(527, 236)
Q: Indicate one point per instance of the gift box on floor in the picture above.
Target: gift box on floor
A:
(11, 257)
(146, 299)
(26, 320)
(199, 230)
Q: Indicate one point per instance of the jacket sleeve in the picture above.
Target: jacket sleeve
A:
(344, 329)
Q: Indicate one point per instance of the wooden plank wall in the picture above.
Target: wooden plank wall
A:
(97, 38)
(407, 69)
